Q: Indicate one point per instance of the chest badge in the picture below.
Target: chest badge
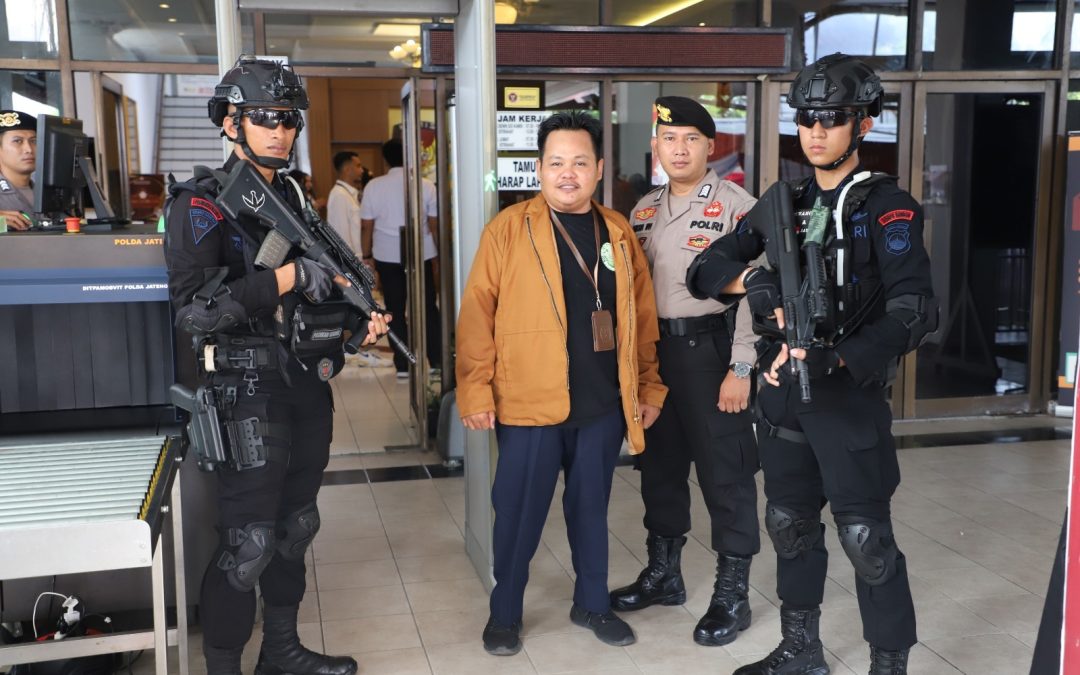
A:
(607, 256)
(645, 214)
(714, 210)
(698, 241)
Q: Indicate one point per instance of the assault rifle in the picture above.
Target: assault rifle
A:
(245, 195)
(806, 301)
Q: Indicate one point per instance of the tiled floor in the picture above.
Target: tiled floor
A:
(391, 585)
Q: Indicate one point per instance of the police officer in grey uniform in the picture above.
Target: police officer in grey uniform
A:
(706, 360)
(18, 150)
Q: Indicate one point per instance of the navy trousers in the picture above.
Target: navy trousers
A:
(528, 467)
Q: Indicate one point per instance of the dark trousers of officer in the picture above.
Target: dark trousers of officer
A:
(395, 285)
(528, 467)
(848, 461)
(268, 493)
(692, 429)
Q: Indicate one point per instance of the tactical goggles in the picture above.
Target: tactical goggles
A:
(270, 119)
(808, 117)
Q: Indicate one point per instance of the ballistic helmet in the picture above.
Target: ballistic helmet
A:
(255, 83)
(837, 81)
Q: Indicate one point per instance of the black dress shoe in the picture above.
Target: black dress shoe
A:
(609, 628)
(502, 640)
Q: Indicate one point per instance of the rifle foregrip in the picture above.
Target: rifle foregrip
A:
(804, 380)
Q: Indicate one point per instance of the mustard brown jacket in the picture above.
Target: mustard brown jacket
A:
(511, 333)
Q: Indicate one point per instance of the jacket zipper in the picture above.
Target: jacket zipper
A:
(551, 295)
(630, 350)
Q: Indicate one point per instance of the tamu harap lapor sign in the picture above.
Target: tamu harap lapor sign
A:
(518, 173)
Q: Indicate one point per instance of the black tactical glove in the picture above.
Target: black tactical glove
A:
(821, 361)
(313, 280)
(762, 291)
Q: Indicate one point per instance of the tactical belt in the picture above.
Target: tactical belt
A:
(783, 433)
(692, 325)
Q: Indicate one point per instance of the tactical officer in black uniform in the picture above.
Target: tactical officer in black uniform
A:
(838, 448)
(705, 360)
(267, 341)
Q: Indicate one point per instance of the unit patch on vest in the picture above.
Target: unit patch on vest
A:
(714, 210)
(898, 238)
(204, 216)
(698, 241)
(706, 225)
(898, 214)
(645, 214)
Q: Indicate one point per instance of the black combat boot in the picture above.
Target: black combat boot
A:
(660, 583)
(799, 651)
(888, 661)
(222, 661)
(282, 653)
(729, 609)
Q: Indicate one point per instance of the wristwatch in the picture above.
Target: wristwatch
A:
(742, 369)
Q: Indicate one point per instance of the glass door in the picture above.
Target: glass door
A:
(413, 258)
(979, 153)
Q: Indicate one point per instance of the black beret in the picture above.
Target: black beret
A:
(13, 120)
(679, 111)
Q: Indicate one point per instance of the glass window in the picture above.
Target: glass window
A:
(874, 30)
(981, 244)
(728, 13)
(549, 12)
(1075, 39)
(999, 35)
(636, 170)
(169, 32)
(31, 91)
(877, 152)
(315, 39)
(29, 29)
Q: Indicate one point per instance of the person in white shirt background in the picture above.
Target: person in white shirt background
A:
(382, 217)
(343, 214)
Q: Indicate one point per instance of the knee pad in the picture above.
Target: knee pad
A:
(790, 534)
(299, 527)
(250, 549)
(870, 546)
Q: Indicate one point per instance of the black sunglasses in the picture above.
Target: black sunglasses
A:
(807, 117)
(270, 119)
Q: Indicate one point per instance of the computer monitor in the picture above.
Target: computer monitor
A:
(63, 169)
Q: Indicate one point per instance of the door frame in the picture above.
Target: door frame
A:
(1038, 378)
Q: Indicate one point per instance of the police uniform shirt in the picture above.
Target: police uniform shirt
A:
(674, 230)
(15, 199)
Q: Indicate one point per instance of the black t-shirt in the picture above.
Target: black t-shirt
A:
(594, 376)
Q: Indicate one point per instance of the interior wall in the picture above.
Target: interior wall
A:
(353, 114)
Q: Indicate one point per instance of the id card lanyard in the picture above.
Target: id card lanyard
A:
(603, 331)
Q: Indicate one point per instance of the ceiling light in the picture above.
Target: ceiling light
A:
(164, 5)
(172, 19)
(664, 12)
(701, 24)
(407, 52)
(505, 12)
(397, 30)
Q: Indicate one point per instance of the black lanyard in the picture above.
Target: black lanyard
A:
(577, 254)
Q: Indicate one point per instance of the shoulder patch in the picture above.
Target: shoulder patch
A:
(204, 216)
(898, 238)
(645, 214)
(897, 214)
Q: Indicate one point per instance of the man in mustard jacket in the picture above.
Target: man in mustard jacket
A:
(556, 351)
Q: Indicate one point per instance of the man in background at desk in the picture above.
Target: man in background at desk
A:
(18, 150)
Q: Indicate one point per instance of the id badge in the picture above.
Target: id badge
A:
(603, 331)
